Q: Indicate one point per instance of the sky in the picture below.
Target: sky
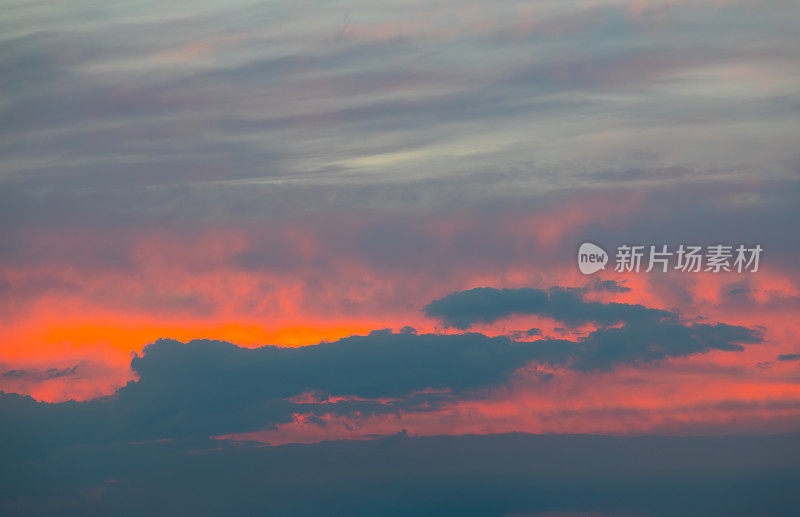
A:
(294, 232)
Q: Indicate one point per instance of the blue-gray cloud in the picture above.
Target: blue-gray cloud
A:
(223, 105)
(501, 474)
(204, 388)
(486, 305)
(50, 373)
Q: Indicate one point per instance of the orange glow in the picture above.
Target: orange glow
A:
(627, 401)
(301, 289)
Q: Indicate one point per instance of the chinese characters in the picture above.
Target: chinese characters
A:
(689, 259)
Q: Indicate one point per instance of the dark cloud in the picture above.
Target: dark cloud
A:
(33, 374)
(524, 334)
(486, 305)
(54, 373)
(610, 286)
(186, 392)
(203, 388)
(642, 342)
(789, 357)
(494, 475)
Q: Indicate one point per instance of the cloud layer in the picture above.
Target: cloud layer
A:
(204, 388)
(487, 305)
(297, 173)
(468, 475)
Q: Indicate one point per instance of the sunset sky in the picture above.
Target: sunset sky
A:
(233, 226)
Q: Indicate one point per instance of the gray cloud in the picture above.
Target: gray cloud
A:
(611, 286)
(501, 474)
(121, 109)
(487, 305)
(40, 375)
(204, 388)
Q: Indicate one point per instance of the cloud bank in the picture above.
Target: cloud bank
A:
(204, 388)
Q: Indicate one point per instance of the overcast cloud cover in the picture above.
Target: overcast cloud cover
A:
(210, 102)
(305, 257)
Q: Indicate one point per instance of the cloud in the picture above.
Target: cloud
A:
(524, 334)
(640, 342)
(32, 374)
(94, 121)
(463, 309)
(204, 388)
(788, 357)
(501, 474)
(610, 286)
